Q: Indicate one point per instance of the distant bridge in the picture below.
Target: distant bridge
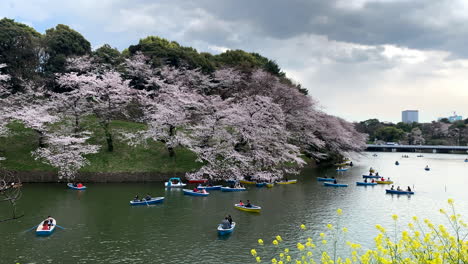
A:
(418, 148)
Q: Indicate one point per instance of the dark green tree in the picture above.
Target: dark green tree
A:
(61, 42)
(390, 134)
(108, 55)
(20, 49)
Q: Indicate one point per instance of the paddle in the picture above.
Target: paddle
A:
(60, 227)
(146, 203)
(30, 229)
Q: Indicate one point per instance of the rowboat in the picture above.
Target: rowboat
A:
(229, 189)
(247, 182)
(384, 182)
(366, 183)
(334, 184)
(153, 200)
(324, 179)
(192, 193)
(46, 230)
(287, 182)
(270, 185)
(70, 185)
(222, 231)
(343, 169)
(398, 192)
(210, 188)
(342, 164)
(260, 184)
(253, 209)
(174, 183)
(371, 177)
(198, 181)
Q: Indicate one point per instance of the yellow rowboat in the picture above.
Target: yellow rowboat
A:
(270, 185)
(384, 182)
(287, 182)
(342, 164)
(253, 209)
(247, 182)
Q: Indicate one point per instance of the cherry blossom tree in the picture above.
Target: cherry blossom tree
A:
(246, 138)
(66, 152)
(100, 91)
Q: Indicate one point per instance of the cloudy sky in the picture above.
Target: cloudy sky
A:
(359, 58)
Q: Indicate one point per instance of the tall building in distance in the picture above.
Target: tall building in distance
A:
(410, 116)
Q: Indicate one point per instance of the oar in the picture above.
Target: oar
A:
(60, 227)
(146, 203)
(30, 229)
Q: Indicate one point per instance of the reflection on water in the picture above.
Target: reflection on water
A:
(102, 228)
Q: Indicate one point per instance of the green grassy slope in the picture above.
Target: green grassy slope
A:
(155, 158)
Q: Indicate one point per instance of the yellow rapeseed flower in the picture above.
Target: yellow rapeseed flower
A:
(279, 238)
(286, 250)
(395, 217)
(339, 211)
(253, 252)
(260, 242)
(303, 227)
(274, 260)
(322, 235)
(275, 242)
(345, 230)
(450, 201)
(258, 259)
(330, 226)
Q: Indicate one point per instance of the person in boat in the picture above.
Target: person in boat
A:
(371, 174)
(398, 188)
(397, 163)
(241, 203)
(382, 179)
(351, 164)
(427, 167)
(49, 221)
(45, 225)
(148, 197)
(195, 189)
(409, 189)
(202, 191)
(229, 219)
(373, 181)
(388, 179)
(334, 181)
(371, 170)
(79, 185)
(225, 224)
(136, 199)
(365, 180)
(392, 188)
(377, 174)
(248, 204)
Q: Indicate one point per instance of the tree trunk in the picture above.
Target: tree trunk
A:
(171, 148)
(110, 144)
(41, 139)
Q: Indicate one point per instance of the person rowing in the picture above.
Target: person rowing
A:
(248, 204)
(148, 197)
(409, 189)
(225, 223)
(136, 198)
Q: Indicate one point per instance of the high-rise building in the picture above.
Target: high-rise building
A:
(410, 116)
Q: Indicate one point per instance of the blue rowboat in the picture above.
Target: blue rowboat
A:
(46, 230)
(344, 169)
(398, 192)
(222, 231)
(210, 188)
(229, 189)
(192, 193)
(153, 200)
(70, 185)
(260, 184)
(371, 176)
(324, 179)
(366, 183)
(330, 184)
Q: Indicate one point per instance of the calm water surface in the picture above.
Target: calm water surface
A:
(102, 228)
